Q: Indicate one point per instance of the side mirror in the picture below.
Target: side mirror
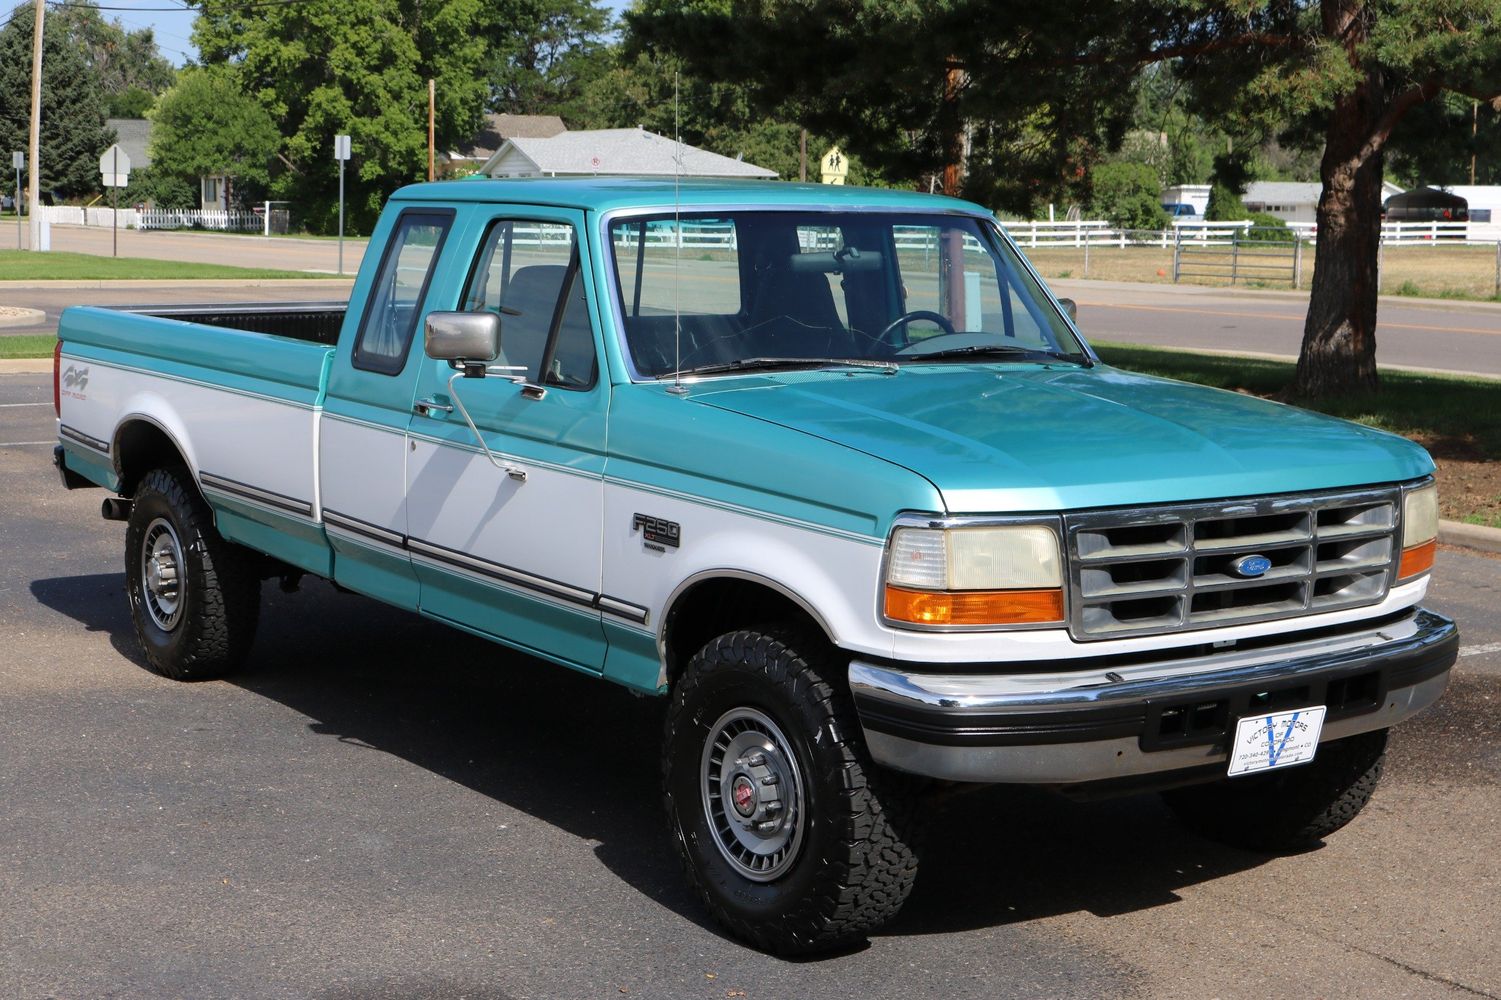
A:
(464, 339)
(1071, 307)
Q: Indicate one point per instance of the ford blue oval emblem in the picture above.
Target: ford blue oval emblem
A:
(1251, 566)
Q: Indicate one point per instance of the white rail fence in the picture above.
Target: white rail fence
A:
(1097, 233)
(157, 218)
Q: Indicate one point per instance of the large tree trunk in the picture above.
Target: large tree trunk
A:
(1339, 335)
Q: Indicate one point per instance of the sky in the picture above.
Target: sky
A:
(174, 29)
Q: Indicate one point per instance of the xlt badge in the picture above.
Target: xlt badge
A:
(657, 531)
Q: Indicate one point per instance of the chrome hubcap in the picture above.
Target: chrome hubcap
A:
(752, 793)
(162, 583)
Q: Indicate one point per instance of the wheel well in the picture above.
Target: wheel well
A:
(724, 604)
(141, 446)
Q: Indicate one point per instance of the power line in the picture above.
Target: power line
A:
(244, 5)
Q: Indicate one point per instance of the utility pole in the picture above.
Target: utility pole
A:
(432, 94)
(802, 156)
(34, 184)
(1474, 128)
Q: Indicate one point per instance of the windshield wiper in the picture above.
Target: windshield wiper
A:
(1003, 350)
(767, 364)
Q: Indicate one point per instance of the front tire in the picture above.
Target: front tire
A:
(795, 841)
(194, 597)
(1288, 810)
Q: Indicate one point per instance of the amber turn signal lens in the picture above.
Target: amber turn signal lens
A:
(1417, 559)
(974, 607)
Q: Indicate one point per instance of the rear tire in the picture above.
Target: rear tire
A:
(1288, 810)
(194, 597)
(795, 841)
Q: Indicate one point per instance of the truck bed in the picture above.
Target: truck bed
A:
(315, 322)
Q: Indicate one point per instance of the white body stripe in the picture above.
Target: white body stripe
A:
(363, 472)
(547, 526)
(833, 576)
(222, 433)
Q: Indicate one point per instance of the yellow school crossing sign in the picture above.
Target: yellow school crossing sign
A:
(834, 166)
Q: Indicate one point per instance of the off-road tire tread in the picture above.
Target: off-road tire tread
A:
(223, 608)
(1288, 810)
(868, 879)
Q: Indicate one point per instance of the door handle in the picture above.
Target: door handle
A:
(430, 407)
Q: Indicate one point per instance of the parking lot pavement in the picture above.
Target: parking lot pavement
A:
(386, 808)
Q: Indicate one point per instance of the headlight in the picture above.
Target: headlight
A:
(974, 576)
(1419, 531)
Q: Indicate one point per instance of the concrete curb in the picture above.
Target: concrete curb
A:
(28, 317)
(25, 366)
(1470, 536)
(329, 281)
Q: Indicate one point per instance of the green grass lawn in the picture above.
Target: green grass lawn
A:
(23, 265)
(1463, 414)
(27, 345)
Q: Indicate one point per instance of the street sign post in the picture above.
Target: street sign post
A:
(341, 153)
(114, 168)
(18, 160)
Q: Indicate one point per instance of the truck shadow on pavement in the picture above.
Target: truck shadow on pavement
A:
(582, 755)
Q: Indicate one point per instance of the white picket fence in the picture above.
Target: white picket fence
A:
(224, 222)
(1098, 233)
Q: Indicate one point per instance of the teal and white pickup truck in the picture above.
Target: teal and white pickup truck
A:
(828, 469)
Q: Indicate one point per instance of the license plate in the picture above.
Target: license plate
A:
(1280, 739)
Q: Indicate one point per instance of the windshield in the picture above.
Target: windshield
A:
(767, 289)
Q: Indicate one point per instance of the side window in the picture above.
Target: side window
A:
(528, 273)
(400, 286)
(947, 271)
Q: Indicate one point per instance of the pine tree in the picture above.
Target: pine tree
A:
(74, 133)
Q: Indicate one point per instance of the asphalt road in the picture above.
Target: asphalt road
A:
(236, 250)
(386, 808)
(1459, 337)
(53, 300)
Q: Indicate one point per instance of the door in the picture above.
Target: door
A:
(504, 528)
(362, 450)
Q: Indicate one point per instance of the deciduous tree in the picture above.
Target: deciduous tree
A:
(358, 67)
(205, 125)
(1044, 87)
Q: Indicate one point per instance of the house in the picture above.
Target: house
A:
(133, 136)
(619, 151)
(497, 128)
(1294, 201)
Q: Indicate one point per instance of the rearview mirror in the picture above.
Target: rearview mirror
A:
(462, 337)
(1071, 307)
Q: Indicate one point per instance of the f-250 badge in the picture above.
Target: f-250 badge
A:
(658, 533)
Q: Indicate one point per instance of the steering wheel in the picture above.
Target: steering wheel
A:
(916, 314)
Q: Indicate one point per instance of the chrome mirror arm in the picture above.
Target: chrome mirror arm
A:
(511, 471)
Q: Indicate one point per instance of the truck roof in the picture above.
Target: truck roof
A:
(606, 194)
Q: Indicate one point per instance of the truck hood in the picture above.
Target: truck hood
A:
(995, 439)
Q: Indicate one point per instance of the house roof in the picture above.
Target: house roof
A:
(133, 135)
(1297, 192)
(497, 128)
(616, 151)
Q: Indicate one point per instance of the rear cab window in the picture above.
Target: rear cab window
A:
(400, 287)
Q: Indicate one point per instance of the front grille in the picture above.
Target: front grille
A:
(1151, 570)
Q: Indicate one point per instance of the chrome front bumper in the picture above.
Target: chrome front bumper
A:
(1105, 720)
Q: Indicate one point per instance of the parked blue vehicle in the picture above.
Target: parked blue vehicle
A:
(827, 469)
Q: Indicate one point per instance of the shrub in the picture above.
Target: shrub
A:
(1128, 195)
